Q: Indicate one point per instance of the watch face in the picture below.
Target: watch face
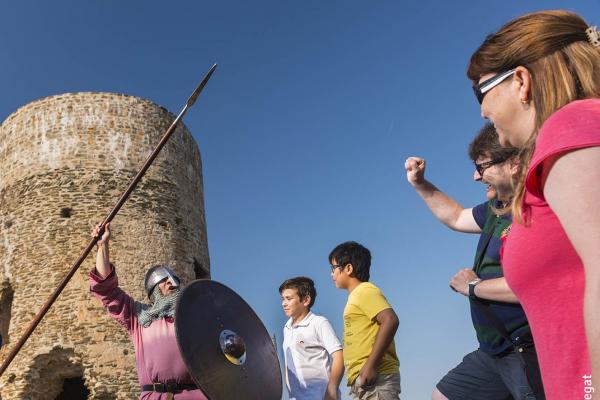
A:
(474, 282)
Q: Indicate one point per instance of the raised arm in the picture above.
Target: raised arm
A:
(102, 255)
(572, 191)
(104, 284)
(388, 325)
(445, 209)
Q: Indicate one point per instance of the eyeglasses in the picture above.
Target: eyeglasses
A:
(482, 88)
(485, 165)
(334, 267)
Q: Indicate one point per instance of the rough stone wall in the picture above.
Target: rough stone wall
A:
(64, 162)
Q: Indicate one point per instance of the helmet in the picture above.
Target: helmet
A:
(157, 274)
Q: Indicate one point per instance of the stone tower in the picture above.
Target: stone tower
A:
(64, 161)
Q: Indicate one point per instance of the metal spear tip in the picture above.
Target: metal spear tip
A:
(196, 93)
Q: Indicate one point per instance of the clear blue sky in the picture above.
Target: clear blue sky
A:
(303, 130)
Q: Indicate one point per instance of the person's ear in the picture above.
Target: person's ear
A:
(524, 83)
(349, 269)
(306, 300)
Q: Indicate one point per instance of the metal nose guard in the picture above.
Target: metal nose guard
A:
(174, 282)
(159, 275)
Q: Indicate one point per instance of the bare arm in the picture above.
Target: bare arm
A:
(445, 209)
(495, 289)
(388, 325)
(103, 255)
(572, 191)
(490, 289)
(337, 371)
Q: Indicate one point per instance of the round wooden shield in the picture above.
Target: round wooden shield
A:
(226, 348)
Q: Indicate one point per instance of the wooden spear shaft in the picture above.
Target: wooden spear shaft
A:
(109, 218)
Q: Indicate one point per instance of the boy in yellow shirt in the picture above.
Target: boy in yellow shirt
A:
(370, 323)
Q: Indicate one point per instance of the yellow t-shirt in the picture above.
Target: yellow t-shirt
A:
(360, 329)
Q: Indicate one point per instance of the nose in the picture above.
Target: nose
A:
(476, 176)
(482, 111)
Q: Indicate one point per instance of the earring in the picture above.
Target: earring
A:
(524, 100)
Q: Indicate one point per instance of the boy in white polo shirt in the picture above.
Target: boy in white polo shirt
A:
(314, 364)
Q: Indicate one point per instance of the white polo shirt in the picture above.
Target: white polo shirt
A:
(307, 349)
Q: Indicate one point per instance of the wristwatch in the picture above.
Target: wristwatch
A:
(472, 285)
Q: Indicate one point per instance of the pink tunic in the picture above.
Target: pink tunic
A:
(542, 267)
(156, 352)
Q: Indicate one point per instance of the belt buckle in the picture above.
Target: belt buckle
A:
(158, 387)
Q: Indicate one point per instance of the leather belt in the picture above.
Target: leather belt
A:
(169, 387)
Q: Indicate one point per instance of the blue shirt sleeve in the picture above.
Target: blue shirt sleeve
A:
(480, 213)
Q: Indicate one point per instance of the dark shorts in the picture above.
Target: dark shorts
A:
(481, 376)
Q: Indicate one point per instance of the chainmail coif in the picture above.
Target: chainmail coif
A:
(162, 306)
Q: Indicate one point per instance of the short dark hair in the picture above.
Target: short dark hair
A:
(486, 143)
(356, 254)
(303, 285)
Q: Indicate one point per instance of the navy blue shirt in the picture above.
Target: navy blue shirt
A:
(487, 266)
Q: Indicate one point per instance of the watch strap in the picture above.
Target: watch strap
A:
(472, 285)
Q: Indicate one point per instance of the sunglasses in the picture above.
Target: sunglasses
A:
(485, 165)
(482, 88)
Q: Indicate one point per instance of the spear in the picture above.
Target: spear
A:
(190, 102)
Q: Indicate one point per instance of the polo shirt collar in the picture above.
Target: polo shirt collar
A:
(305, 321)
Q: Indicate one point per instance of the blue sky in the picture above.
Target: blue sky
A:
(303, 130)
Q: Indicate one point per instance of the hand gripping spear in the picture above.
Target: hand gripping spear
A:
(108, 219)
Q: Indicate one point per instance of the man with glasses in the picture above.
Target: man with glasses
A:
(495, 370)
